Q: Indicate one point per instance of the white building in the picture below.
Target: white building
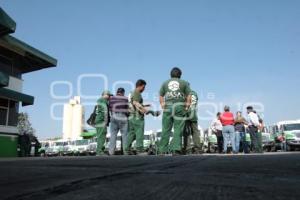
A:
(73, 119)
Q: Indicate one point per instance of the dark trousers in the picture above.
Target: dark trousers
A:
(253, 130)
(245, 144)
(220, 141)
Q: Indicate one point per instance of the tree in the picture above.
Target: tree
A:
(24, 126)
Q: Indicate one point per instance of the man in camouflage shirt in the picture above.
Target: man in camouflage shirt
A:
(192, 127)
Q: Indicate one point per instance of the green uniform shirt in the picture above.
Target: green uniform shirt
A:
(175, 90)
(194, 106)
(136, 96)
(102, 110)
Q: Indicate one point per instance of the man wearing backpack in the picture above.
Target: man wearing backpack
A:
(102, 121)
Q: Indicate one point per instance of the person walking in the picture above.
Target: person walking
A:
(253, 123)
(119, 120)
(240, 132)
(227, 120)
(192, 128)
(217, 127)
(175, 100)
(102, 121)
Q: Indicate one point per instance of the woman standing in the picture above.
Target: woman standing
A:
(216, 127)
(240, 133)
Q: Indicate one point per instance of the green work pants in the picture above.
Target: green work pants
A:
(136, 132)
(172, 117)
(101, 137)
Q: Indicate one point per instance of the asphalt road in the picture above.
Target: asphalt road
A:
(268, 176)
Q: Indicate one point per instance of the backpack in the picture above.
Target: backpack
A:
(92, 119)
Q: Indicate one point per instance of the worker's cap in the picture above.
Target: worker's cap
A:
(106, 92)
(249, 108)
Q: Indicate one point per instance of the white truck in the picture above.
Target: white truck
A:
(286, 135)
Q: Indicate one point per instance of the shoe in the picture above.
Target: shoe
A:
(101, 154)
(142, 154)
(177, 153)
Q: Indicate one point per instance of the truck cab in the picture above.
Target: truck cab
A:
(81, 147)
(286, 135)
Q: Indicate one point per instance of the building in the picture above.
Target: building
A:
(16, 59)
(73, 119)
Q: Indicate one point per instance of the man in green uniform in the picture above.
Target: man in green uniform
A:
(192, 127)
(102, 121)
(175, 100)
(136, 119)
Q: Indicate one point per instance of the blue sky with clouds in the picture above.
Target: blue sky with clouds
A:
(238, 50)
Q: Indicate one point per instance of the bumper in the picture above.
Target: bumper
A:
(294, 142)
(268, 144)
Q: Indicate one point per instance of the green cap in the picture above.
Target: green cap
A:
(106, 92)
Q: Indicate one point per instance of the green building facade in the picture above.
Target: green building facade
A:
(16, 59)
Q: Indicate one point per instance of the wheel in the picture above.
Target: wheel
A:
(211, 148)
(288, 147)
(208, 148)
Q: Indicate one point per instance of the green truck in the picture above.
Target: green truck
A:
(286, 135)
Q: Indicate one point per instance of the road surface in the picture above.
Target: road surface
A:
(269, 176)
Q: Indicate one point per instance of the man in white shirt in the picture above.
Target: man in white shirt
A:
(253, 128)
(217, 127)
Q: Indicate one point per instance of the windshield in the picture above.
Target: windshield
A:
(291, 127)
(58, 144)
(82, 142)
(147, 137)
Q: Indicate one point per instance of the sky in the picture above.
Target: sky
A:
(233, 52)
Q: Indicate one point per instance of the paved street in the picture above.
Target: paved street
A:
(269, 176)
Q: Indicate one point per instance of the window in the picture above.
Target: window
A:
(6, 65)
(13, 113)
(4, 103)
(8, 112)
(3, 116)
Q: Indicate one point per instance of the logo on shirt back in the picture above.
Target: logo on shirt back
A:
(173, 86)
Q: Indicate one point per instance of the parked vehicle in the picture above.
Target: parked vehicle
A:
(44, 146)
(210, 141)
(80, 147)
(55, 148)
(68, 148)
(267, 141)
(92, 149)
(286, 135)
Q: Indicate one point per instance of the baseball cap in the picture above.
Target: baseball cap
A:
(106, 92)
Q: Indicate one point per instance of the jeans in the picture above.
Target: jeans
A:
(237, 140)
(245, 145)
(119, 122)
(228, 136)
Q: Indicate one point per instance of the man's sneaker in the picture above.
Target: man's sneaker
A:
(176, 153)
(101, 154)
(142, 154)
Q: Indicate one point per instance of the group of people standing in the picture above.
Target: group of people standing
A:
(179, 104)
(233, 130)
(127, 115)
